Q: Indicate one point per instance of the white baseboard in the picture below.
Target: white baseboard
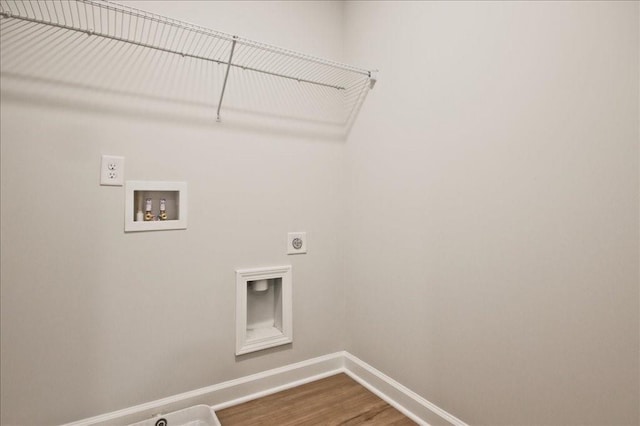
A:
(398, 396)
(228, 393)
(255, 386)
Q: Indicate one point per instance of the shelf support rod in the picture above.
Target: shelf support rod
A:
(226, 76)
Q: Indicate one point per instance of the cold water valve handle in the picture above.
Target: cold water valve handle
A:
(163, 209)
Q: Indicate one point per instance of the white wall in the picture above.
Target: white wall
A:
(95, 320)
(489, 191)
(493, 255)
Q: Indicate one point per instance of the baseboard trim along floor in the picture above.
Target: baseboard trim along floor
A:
(255, 386)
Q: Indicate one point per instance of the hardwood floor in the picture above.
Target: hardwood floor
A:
(336, 400)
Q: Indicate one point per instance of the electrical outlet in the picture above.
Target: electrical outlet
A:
(296, 242)
(112, 170)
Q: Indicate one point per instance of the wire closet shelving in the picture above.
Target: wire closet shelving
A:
(267, 78)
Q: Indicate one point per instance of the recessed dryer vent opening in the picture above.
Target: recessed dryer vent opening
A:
(263, 310)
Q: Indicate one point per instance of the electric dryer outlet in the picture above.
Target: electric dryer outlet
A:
(296, 242)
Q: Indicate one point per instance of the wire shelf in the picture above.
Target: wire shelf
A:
(55, 39)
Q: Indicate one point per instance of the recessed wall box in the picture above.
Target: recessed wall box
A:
(155, 206)
(263, 308)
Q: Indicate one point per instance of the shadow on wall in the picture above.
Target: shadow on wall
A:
(42, 92)
(77, 69)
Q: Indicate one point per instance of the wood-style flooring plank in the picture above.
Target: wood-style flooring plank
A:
(336, 400)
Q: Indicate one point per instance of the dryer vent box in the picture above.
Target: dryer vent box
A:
(263, 308)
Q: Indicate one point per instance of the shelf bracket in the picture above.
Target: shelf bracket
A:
(226, 76)
(373, 78)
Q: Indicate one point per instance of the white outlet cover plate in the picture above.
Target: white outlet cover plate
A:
(296, 242)
(112, 170)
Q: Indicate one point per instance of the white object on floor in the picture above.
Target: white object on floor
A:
(198, 415)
